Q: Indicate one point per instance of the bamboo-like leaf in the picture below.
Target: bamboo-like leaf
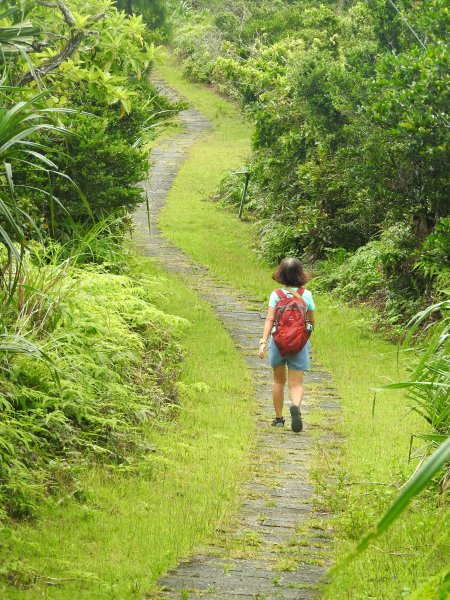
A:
(42, 158)
(9, 179)
(8, 216)
(432, 437)
(83, 198)
(15, 344)
(413, 384)
(415, 485)
(7, 241)
(27, 217)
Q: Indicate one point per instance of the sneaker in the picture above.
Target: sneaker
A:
(296, 419)
(278, 422)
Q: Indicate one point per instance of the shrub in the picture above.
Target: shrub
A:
(229, 25)
(380, 273)
(116, 361)
(198, 45)
(362, 275)
(147, 106)
(105, 167)
(434, 259)
(101, 163)
(278, 240)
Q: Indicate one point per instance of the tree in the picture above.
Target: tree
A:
(153, 11)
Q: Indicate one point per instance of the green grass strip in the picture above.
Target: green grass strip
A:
(227, 247)
(123, 532)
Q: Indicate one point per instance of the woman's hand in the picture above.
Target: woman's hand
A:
(262, 349)
(266, 333)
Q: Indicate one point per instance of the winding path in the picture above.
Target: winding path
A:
(279, 546)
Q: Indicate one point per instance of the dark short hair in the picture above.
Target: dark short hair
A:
(290, 272)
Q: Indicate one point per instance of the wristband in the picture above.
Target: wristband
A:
(261, 341)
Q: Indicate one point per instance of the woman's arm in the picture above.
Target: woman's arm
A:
(267, 329)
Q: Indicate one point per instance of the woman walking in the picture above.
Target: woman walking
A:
(291, 276)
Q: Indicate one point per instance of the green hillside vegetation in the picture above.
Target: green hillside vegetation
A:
(126, 411)
(71, 155)
(350, 153)
(106, 409)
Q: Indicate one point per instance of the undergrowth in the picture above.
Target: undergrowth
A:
(379, 274)
(104, 363)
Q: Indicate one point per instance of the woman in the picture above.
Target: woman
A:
(291, 276)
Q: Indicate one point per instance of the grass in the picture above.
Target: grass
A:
(122, 532)
(375, 451)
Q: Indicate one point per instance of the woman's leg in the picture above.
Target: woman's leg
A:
(295, 383)
(279, 380)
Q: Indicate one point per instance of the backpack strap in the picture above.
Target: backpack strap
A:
(281, 295)
(298, 294)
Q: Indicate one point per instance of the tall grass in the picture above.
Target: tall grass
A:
(429, 382)
(23, 127)
(428, 392)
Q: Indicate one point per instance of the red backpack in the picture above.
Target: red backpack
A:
(289, 330)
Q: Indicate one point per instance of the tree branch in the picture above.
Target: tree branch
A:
(38, 46)
(47, 4)
(97, 17)
(54, 62)
(75, 39)
(68, 16)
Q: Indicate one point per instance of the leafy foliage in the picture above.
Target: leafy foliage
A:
(429, 382)
(104, 165)
(19, 125)
(122, 50)
(87, 363)
(154, 13)
(102, 155)
(115, 356)
(351, 136)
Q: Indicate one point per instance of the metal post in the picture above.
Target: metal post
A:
(244, 193)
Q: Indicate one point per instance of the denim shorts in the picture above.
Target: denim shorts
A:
(296, 362)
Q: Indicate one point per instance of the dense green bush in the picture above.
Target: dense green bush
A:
(198, 44)
(101, 163)
(351, 133)
(104, 155)
(154, 13)
(87, 363)
(105, 370)
(379, 272)
(434, 258)
(278, 239)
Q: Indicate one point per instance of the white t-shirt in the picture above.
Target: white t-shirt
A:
(307, 297)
